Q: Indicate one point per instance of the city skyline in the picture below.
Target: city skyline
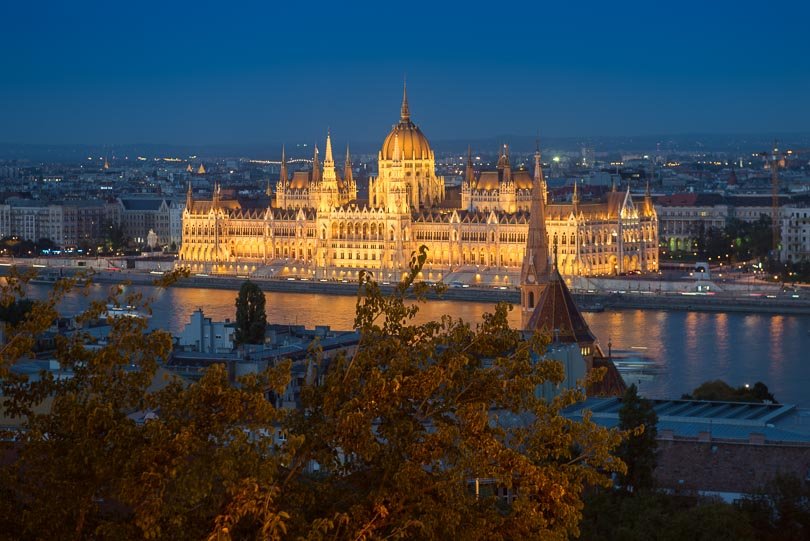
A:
(194, 75)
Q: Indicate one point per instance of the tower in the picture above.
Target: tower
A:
(535, 271)
(507, 195)
(416, 159)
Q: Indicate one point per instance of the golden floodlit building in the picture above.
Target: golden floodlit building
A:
(316, 227)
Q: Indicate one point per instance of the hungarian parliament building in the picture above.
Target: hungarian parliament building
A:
(316, 227)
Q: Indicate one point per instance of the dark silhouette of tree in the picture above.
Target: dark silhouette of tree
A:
(719, 390)
(15, 311)
(638, 451)
(251, 318)
(780, 510)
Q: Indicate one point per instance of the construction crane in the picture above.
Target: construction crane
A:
(775, 160)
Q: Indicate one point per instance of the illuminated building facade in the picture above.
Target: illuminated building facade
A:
(316, 227)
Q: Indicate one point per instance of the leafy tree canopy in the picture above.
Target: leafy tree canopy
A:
(425, 431)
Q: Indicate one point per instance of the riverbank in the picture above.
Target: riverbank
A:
(783, 303)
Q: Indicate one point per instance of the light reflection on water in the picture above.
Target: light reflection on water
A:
(691, 347)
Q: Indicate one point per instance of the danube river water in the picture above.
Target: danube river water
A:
(686, 348)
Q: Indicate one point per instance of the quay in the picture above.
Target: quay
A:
(615, 295)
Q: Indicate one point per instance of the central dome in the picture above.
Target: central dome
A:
(412, 142)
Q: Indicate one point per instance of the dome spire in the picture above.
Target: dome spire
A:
(405, 112)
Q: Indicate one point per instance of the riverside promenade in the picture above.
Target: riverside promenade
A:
(765, 300)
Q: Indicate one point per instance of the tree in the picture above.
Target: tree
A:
(115, 237)
(719, 390)
(653, 515)
(15, 311)
(421, 414)
(638, 451)
(251, 319)
(780, 509)
(391, 439)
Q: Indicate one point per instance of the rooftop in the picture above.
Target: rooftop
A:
(725, 420)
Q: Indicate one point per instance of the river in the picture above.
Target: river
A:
(687, 347)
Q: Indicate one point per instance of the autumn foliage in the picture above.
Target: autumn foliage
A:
(426, 431)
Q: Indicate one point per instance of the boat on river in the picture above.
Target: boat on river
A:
(114, 311)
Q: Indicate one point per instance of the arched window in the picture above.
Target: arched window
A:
(531, 299)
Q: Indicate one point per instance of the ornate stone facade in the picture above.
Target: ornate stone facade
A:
(316, 227)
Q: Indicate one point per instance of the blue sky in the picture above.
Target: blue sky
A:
(256, 72)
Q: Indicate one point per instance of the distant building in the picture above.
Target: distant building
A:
(140, 214)
(66, 223)
(681, 216)
(203, 335)
(176, 209)
(317, 225)
(795, 233)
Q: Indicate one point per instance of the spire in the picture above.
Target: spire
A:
(575, 196)
(282, 176)
(507, 166)
(189, 197)
(316, 166)
(538, 167)
(534, 274)
(328, 161)
(348, 177)
(405, 113)
(535, 262)
(215, 198)
(539, 178)
(470, 173)
(329, 176)
(613, 185)
(649, 209)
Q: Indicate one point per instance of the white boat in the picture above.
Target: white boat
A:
(123, 311)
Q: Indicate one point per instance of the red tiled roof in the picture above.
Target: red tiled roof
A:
(557, 314)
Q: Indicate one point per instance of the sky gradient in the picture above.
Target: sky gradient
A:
(258, 72)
